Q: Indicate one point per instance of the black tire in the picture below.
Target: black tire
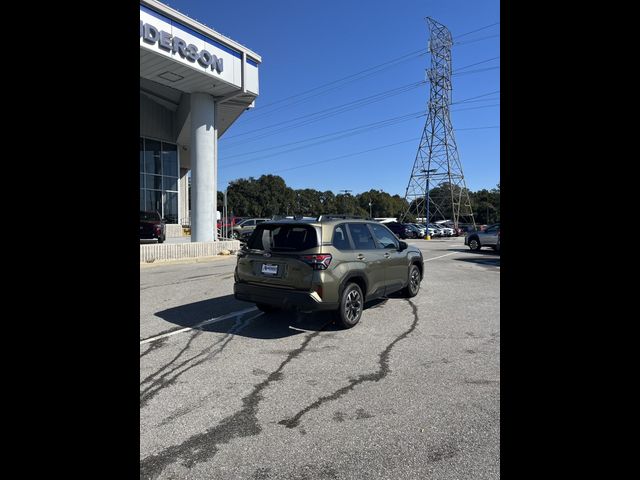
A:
(263, 307)
(413, 287)
(351, 306)
(474, 244)
(160, 239)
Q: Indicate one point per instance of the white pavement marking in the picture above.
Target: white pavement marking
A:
(235, 314)
(206, 322)
(445, 255)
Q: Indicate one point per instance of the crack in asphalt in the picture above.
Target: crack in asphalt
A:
(243, 423)
(157, 383)
(382, 372)
(154, 346)
(195, 278)
(181, 327)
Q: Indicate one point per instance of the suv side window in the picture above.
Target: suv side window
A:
(361, 235)
(384, 236)
(248, 223)
(340, 238)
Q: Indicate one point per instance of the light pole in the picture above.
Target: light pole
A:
(370, 215)
(426, 199)
(345, 192)
(225, 216)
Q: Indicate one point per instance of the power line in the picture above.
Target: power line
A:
(479, 100)
(476, 40)
(477, 96)
(477, 63)
(475, 108)
(353, 131)
(477, 128)
(353, 77)
(336, 110)
(475, 71)
(477, 30)
(363, 128)
(328, 112)
(262, 114)
(415, 53)
(370, 150)
(345, 156)
(321, 142)
(333, 136)
(366, 151)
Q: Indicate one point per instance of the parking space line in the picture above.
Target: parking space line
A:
(445, 255)
(206, 322)
(234, 314)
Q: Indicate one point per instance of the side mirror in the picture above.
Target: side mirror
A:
(402, 246)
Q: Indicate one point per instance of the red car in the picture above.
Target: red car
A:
(230, 222)
(152, 227)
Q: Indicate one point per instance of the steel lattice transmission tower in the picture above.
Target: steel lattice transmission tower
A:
(437, 188)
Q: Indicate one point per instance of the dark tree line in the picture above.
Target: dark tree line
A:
(269, 195)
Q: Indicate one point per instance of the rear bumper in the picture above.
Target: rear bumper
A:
(279, 297)
(149, 236)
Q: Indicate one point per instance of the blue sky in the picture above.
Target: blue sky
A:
(312, 46)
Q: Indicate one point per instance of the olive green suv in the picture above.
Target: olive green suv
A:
(326, 263)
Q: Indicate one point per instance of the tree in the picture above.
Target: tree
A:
(348, 204)
(269, 195)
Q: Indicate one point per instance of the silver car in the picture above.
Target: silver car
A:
(447, 231)
(489, 237)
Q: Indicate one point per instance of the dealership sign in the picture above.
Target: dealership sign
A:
(175, 45)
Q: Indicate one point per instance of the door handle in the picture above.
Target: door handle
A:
(360, 256)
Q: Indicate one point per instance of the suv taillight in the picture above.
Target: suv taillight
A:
(319, 261)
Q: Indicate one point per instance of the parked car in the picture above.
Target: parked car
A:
(446, 230)
(412, 230)
(245, 228)
(334, 263)
(152, 226)
(400, 230)
(422, 230)
(488, 237)
(437, 230)
(228, 222)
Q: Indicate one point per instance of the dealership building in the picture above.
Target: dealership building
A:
(194, 83)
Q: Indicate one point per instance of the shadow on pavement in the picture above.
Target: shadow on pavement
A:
(485, 260)
(274, 325)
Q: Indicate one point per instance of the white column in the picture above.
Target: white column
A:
(184, 193)
(204, 167)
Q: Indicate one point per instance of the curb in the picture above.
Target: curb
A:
(180, 261)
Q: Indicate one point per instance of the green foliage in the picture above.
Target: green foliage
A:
(486, 205)
(269, 195)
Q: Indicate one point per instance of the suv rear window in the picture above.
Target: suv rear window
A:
(283, 238)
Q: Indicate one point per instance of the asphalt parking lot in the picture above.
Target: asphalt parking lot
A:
(411, 392)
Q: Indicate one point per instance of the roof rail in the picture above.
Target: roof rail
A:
(344, 217)
(294, 217)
